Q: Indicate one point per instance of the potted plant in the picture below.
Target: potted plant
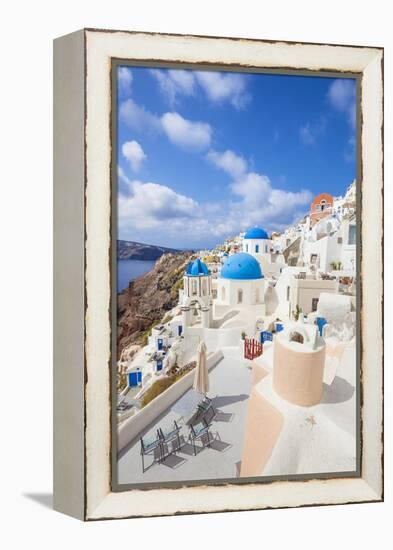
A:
(297, 312)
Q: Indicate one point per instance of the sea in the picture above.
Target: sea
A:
(128, 270)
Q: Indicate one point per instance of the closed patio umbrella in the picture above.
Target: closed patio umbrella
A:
(201, 380)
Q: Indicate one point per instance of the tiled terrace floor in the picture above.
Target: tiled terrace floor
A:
(230, 383)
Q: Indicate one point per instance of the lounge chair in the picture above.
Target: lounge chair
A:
(207, 411)
(151, 447)
(170, 436)
(193, 418)
(201, 433)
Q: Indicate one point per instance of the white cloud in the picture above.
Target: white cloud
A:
(174, 83)
(230, 162)
(151, 205)
(124, 77)
(257, 201)
(253, 188)
(138, 117)
(123, 181)
(342, 97)
(186, 133)
(259, 204)
(350, 152)
(218, 87)
(263, 204)
(309, 133)
(156, 213)
(306, 135)
(134, 154)
(221, 87)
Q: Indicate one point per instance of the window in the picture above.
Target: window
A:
(313, 259)
(239, 296)
(223, 293)
(256, 295)
(194, 287)
(246, 247)
(314, 304)
(288, 289)
(352, 234)
(256, 248)
(339, 240)
(266, 248)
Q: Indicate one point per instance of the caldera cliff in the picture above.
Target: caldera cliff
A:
(148, 299)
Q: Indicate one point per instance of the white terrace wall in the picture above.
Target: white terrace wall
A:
(216, 339)
(133, 427)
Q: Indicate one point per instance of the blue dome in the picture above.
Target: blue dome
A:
(241, 266)
(197, 268)
(256, 233)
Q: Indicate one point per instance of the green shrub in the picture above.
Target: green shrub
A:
(176, 287)
(144, 337)
(121, 382)
(159, 386)
(167, 318)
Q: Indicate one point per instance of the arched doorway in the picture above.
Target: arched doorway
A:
(296, 337)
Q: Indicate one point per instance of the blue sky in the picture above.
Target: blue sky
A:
(203, 155)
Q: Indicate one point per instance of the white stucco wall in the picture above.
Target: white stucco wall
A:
(328, 250)
(268, 267)
(348, 257)
(253, 292)
(303, 291)
(197, 288)
(251, 246)
(280, 289)
(348, 252)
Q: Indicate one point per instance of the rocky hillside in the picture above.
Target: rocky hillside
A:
(148, 298)
(130, 250)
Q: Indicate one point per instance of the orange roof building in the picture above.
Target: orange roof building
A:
(321, 207)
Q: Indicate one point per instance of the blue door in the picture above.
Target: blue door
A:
(279, 327)
(179, 330)
(133, 379)
(159, 365)
(159, 344)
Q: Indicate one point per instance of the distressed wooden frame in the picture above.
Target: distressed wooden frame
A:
(82, 248)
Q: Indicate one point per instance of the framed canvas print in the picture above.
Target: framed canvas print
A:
(218, 274)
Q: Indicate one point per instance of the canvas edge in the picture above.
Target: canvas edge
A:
(101, 503)
(68, 271)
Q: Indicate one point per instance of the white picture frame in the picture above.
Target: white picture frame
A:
(82, 336)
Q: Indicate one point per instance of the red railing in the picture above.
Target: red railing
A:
(252, 348)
